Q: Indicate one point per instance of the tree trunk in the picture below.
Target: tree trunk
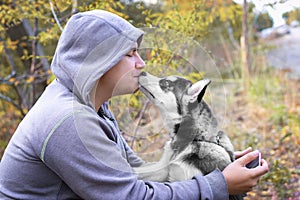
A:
(245, 48)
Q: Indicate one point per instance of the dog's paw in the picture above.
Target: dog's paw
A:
(225, 142)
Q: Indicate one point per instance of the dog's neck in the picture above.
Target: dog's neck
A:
(197, 125)
(206, 124)
(202, 117)
(170, 120)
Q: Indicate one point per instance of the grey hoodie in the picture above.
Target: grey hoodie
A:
(64, 150)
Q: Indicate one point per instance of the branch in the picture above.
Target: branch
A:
(33, 46)
(230, 34)
(55, 16)
(20, 99)
(11, 64)
(9, 59)
(39, 48)
(11, 101)
(139, 122)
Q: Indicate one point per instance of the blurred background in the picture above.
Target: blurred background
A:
(249, 49)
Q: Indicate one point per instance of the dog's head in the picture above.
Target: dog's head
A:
(174, 96)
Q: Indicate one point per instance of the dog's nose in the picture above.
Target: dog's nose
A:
(143, 74)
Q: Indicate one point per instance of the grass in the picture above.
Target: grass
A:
(267, 117)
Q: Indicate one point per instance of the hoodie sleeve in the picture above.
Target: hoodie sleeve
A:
(132, 158)
(80, 151)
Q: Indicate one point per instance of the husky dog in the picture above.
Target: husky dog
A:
(197, 146)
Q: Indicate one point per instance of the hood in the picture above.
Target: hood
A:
(92, 42)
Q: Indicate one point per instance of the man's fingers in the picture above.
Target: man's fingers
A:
(248, 158)
(261, 170)
(239, 154)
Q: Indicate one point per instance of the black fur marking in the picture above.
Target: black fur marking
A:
(166, 85)
(179, 91)
(205, 108)
(205, 163)
(176, 128)
(192, 106)
(179, 111)
(200, 96)
(194, 160)
(184, 135)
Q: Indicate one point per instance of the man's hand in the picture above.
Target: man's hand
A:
(239, 154)
(241, 179)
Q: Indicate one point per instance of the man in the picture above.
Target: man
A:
(64, 149)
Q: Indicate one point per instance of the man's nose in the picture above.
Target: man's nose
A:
(140, 63)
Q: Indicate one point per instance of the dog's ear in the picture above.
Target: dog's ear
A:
(197, 90)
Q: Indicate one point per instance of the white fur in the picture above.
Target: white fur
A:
(156, 171)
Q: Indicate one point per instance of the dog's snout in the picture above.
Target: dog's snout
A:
(143, 74)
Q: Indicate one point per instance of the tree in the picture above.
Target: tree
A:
(245, 48)
(263, 20)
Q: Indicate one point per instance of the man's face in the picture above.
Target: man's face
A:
(123, 77)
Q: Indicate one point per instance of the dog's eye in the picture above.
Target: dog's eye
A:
(165, 84)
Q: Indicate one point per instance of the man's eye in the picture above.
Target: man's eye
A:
(131, 53)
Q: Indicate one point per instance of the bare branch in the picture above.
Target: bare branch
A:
(9, 59)
(20, 99)
(33, 46)
(11, 101)
(40, 51)
(55, 16)
(139, 121)
(11, 64)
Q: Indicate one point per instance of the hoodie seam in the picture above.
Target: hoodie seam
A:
(59, 64)
(107, 22)
(42, 155)
(209, 187)
(112, 25)
(59, 190)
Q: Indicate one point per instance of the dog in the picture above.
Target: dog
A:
(197, 146)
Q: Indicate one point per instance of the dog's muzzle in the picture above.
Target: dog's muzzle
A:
(142, 82)
(146, 92)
